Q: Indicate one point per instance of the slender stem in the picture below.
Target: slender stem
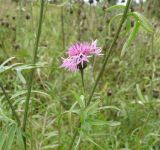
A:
(10, 104)
(74, 137)
(152, 56)
(104, 64)
(32, 71)
(110, 50)
(59, 127)
(63, 46)
(79, 125)
(83, 85)
(72, 142)
(82, 77)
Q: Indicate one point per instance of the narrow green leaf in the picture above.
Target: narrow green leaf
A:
(21, 77)
(2, 139)
(92, 108)
(79, 99)
(90, 140)
(115, 7)
(8, 60)
(53, 146)
(139, 93)
(111, 22)
(130, 38)
(74, 111)
(20, 142)
(50, 135)
(19, 70)
(113, 123)
(78, 142)
(102, 123)
(23, 92)
(143, 21)
(109, 107)
(98, 122)
(10, 137)
(127, 27)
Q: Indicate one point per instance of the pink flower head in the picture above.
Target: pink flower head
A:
(78, 55)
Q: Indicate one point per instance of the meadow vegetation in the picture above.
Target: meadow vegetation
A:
(124, 111)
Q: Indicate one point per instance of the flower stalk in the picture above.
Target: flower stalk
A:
(104, 65)
(82, 77)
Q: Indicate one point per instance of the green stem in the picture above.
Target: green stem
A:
(82, 77)
(32, 71)
(59, 127)
(74, 137)
(104, 64)
(152, 76)
(10, 104)
(110, 50)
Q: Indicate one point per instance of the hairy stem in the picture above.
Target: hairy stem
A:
(32, 71)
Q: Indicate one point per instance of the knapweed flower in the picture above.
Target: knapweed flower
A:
(78, 55)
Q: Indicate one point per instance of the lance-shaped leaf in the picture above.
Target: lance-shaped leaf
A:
(143, 21)
(10, 137)
(131, 37)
